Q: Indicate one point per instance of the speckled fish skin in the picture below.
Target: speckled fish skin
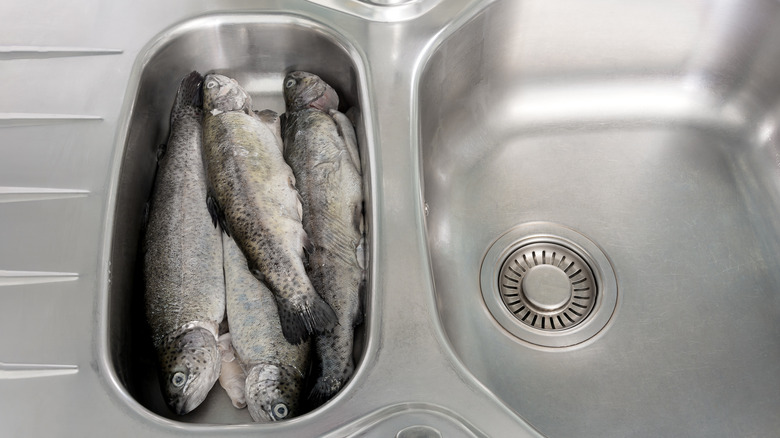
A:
(275, 368)
(253, 195)
(320, 146)
(184, 284)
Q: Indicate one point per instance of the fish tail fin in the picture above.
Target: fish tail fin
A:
(324, 389)
(320, 393)
(190, 90)
(306, 317)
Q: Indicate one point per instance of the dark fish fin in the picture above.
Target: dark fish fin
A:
(293, 328)
(190, 90)
(309, 317)
(213, 207)
(322, 392)
(217, 214)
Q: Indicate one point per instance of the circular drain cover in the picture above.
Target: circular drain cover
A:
(545, 287)
(548, 285)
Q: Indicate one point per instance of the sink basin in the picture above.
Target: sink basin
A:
(257, 51)
(643, 137)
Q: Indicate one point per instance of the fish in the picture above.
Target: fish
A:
(275, 369)
(184, 290)
(252, 196)
(321, 148)
(231, 376)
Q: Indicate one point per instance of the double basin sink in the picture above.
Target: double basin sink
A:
(639, 138)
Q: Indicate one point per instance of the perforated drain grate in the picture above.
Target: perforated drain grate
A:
(547, 286)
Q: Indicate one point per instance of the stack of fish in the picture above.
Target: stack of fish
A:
(289, 264)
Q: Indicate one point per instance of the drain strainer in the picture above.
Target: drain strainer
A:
(548, 285)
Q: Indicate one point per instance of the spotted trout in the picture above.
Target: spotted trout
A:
(321, 147)
(275, 369)
(252, 195)
(184, 284)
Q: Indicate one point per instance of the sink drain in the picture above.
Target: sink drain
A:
(548, 285)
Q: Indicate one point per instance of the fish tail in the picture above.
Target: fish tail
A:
(190, 90)
(334, 350)
(306, 317)
(324, 389)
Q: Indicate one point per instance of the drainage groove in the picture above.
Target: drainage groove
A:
(547, 286)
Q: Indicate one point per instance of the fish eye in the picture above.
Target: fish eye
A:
(211, 84)
(280, 411)
(179, 379)
(290, 83)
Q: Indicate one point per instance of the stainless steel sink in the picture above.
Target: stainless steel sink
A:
(389, 394)
(648, 132)
(257, 51)
(636, 139)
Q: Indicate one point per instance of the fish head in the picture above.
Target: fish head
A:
(273, 392)
(306, 90)
(189, 364)
(223, 94)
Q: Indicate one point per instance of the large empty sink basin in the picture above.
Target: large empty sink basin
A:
(637, 141)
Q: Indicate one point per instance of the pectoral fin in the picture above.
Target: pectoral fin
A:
(216, 213)
(347, 133)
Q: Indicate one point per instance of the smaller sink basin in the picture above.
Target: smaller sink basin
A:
(256, 50)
